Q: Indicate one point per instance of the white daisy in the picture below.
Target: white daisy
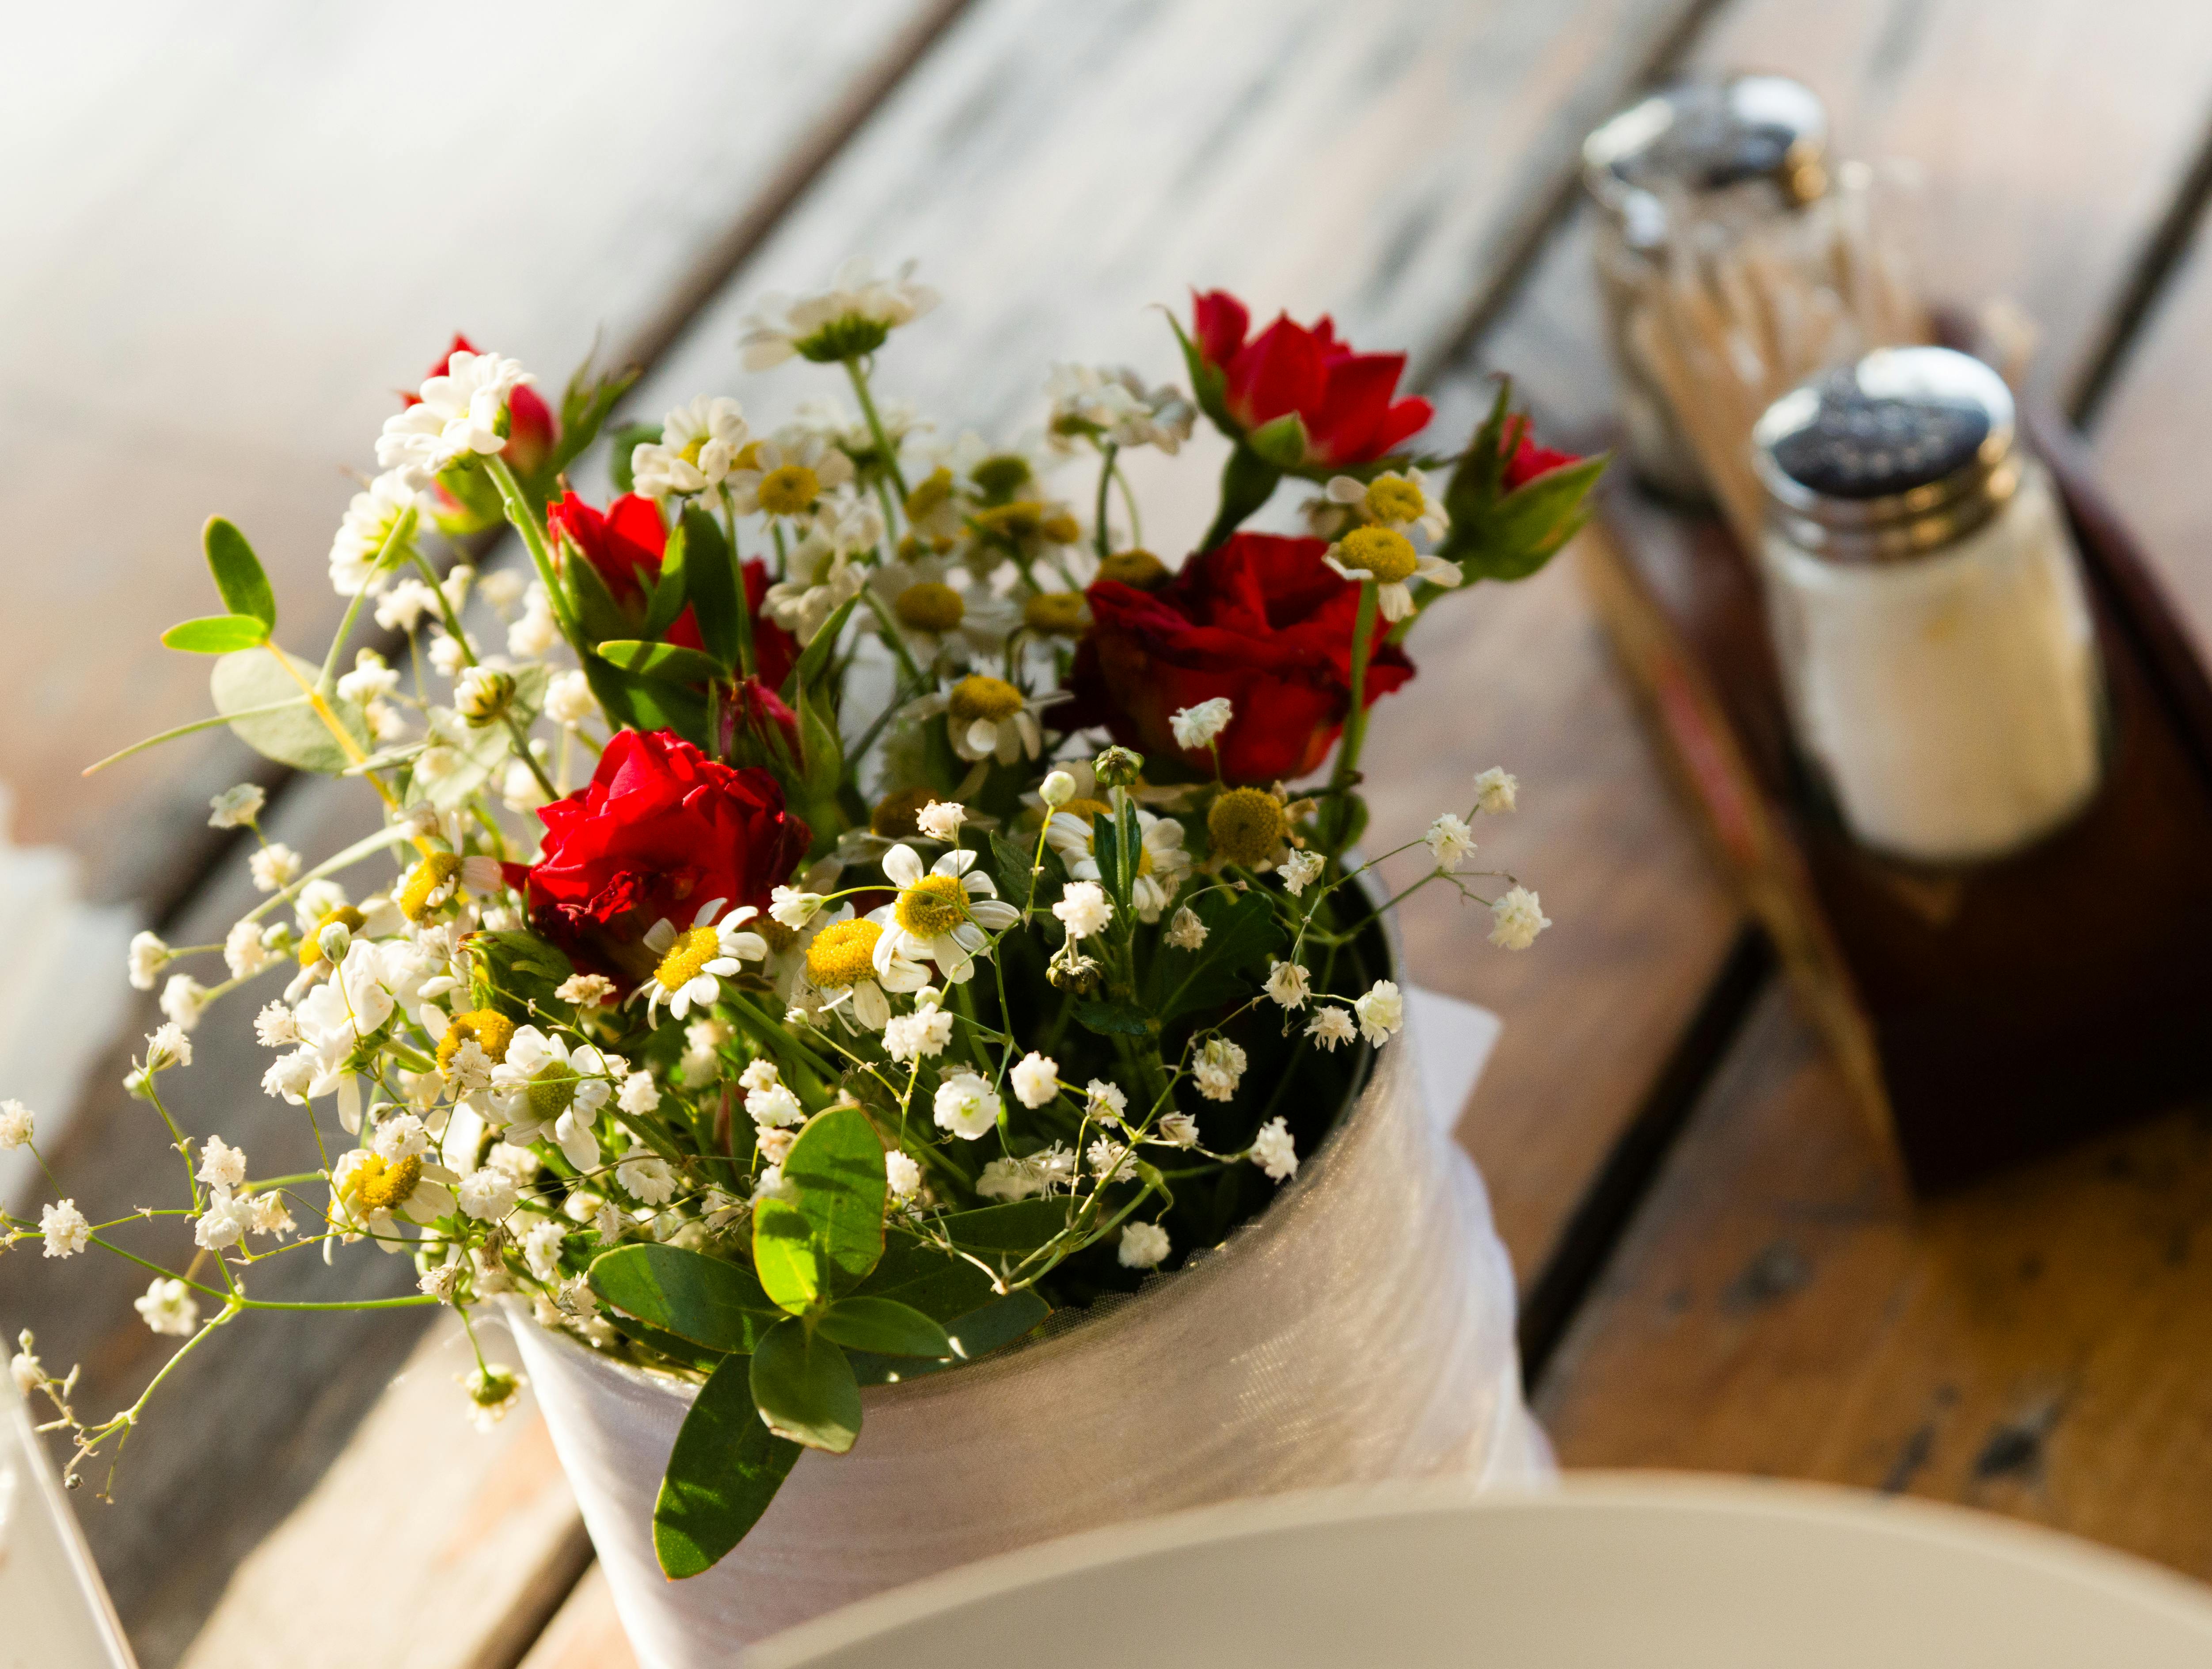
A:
(459, 414)
(372, 1195)
(1397, 499)
(1162, 862)
(849, 319)
(944, 915)
(986, 718)
(786, 475)
(695, 960)
(937, 608)
(548, 1090)
(842, 966)
(698, 444)
(1387, 557)
(369, 520)
(1112, 403)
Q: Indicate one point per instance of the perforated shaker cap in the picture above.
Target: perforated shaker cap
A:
(1703, 136)
(1890, 458)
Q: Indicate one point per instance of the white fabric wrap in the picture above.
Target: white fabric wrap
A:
(1362, 1328)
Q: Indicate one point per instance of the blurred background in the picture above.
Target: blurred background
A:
(235, 231)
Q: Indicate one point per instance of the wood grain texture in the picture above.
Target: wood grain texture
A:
(263, 221)
(586, 1634)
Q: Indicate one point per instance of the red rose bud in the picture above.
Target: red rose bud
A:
(1261, 620)
(531, 429)
(757, 714)
(1347, 401)
(625, 543)
(1524, 459)
(660, 829)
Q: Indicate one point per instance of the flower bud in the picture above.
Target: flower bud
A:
(333, 941)
(483, 694)
(1059, 788)
(1117, 767)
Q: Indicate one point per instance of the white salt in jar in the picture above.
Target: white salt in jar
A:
(1926, 601)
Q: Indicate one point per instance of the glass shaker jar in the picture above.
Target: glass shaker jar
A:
(1721, 155)
(1926, 601)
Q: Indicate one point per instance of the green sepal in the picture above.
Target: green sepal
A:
(294, 736)
(1248, 481)
(804, 1389)
(1529, 526)
(883, 1327)
(1209, 383)
(585, 405)
(725, 1469)
(217, 634)
(239, 578)
(1280, 442)
(709, 1301)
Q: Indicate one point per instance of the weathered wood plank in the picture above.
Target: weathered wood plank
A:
(264, 221)
(587, 1634)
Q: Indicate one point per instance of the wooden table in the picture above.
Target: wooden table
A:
(1720, 1270)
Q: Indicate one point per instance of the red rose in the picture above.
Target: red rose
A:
(1524, 459)
(1261, 620)
(660, 830)
(625, 546)
(529, 425)
(1345, 399)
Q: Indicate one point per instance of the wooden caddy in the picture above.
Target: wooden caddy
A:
(1981, 1014)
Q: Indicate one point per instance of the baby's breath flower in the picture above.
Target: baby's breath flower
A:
(1084, 909)
(1382, 1010)
(940, 820)
(371, 677)
(502, 590)
(1111, 1162)
(568, 700)
(923, 1034)
(1450, 840)
(1197, 727)
(1495, 791)
(273, 868)
(28, 1373)
(1517, 918)
(221, 1164)
(449, 655)
(184, 999)
(17, 1125)
(236, 807)
(66, 1230)
(1143, 1245)
(1289, 983)
(1186, 931)
(775, 1144)
(639, 1094)
(483, 694)
(532, 637)
(271, 1216)
(904, 1174)
(1331, 1026)
(148, 954)
(966, 1105)
(1035, 1079)
(541, 1249)
(585, 991)
(1219, 1064)
(488, 1195)
(1112, 403)
(645, 1176)
(1300, 870)
(1178, 1130)
(1273, 1151)
(169, 1308)
(1105, 1101)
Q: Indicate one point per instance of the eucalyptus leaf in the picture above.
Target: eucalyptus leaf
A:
(725, 1469)
(239, 580)
(997, 1324)
(883, 1326)
(785, 1257)
(708, 1301)
(217, 634)
(918, 1274)
(644, 705)
(295, 736)
(836, 1174)
(804, 1389)
(1022, 1226)
(1113, 1019)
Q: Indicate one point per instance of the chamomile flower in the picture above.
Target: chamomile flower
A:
(1112, 403)
(461, 414)
(788, 476)
(698, 444)
(369, 520)
(546, 1088)
(843, 966)
(1162, 862)
(371, 1194)
(1387, 557)
(1397, 499)
(821, 577)
(695, 960)
(938, 610)
(852, 317)
(986, 718)
(944, 915)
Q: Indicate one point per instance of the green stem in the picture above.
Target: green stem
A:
(876, 425)
(533, 538)
(1107, 453)
(402, 532)
(453, 619)
(1355, 723)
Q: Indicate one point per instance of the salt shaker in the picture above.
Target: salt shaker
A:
(1711, 159)
(1938, 656)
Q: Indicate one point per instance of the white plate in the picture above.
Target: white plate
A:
(1643, 1571)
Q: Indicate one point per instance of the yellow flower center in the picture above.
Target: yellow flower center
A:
(1022, 519)
(748, 457)
(1244, 826)
(432, 873)
(896, 815)
(930, 606)
(1061, 528)
(1087, 809)
(488, 1029)
(1383, 552)
(930, 494)
(1392, 498)
(1139, 569)
(789, 490)
(552, 1092)
(932, 906)
(1000, 475)
(680, 964)
(981, 696)
(843, 954)
(383, 1185)
(1056, 614)
(692, 448)
(311, 950)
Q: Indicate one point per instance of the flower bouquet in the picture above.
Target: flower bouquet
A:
(954, 929)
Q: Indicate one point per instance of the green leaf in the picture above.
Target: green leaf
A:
(883, 1326)
(805, 1389)
(708, 1301)
(998, 1323)
(643, 705)
(725, 1469)
(917, 1274)
(516, 968)
(1529, 526)
(668, 592)
(822, 749)
(1022, 1225)
(1281, 443)
(836, 1169)
(711, 582)
(1114, 1019)
(294, 736)
(1013, 858)
(668, 1346)
(621, 443)
(669, 663)
(597, 613)
(238, 576)
(218, 634)
(1242, 932)
(1208, 383)
(585, 405)
(814, 661)
(785, 1256)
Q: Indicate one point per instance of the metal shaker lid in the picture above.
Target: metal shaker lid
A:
(1890, 458)
(1701, 138)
